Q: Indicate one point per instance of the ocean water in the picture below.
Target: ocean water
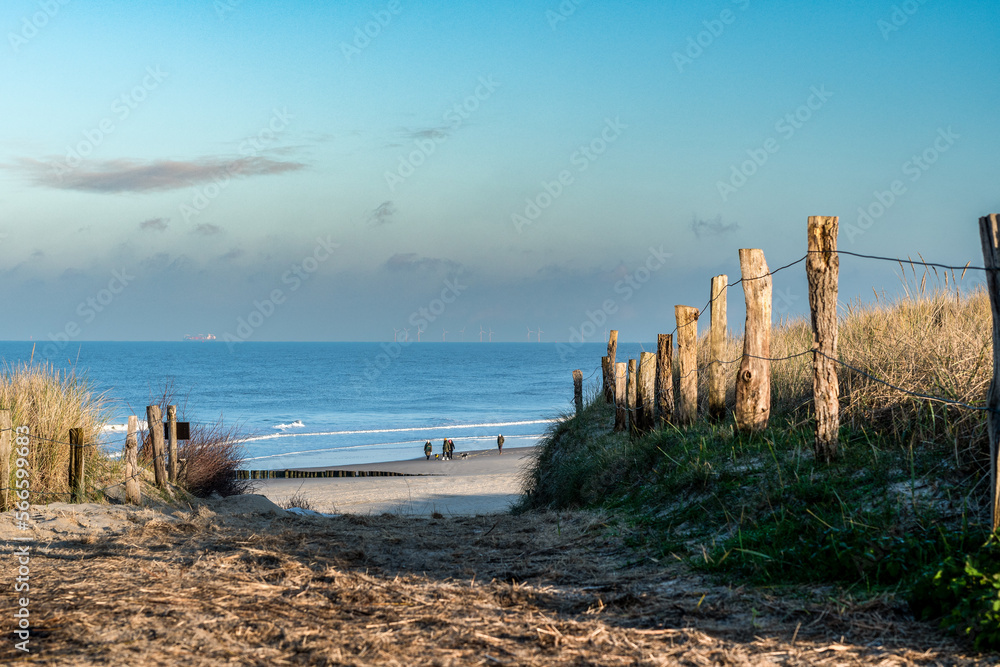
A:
(326, 404)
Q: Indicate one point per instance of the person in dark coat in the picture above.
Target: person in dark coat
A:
(428, 449)
(500, 443)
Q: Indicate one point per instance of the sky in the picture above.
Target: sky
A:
(344, 171)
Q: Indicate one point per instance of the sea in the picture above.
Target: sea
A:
(301, 405)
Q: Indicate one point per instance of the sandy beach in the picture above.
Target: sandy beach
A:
(482, 482)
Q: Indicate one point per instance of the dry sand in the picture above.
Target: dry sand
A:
(482, 482)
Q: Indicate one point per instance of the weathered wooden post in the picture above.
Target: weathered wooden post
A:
(5, 440)
(687, 358)
(989, 234)
(717, 347)
(621, 414)
(154, 424)
(76, 472)
(632, 392)
(609, 379)
(172, 443)
(647, 391)
(608, 370)
(823, 269)
(665, 378)
(753, 383)
(578, 390)
(133, 494)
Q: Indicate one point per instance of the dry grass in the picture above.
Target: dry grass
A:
(51, 402)
(543, 589)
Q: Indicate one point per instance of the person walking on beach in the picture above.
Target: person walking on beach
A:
(445, 452)
(428, 448)
(500, 443)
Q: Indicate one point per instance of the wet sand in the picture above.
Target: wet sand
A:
(483, 482)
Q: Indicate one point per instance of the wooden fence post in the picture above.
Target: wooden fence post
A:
(5, 439)
(621, 414)
(632, 391)
(154, 424)
(172, 443)
(989, 234)
(608, 370)
(687, 358)
(609, 379)
(665, 378)
(132, 490)
(76, 470)
(717, 347)
(647, 391)
(753, 383)
(823, 270)
(578, 390)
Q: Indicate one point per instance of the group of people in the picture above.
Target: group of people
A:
(448, 448)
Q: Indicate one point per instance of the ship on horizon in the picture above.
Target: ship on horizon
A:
(200, 337)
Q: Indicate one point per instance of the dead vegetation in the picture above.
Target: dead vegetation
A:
(201, 588)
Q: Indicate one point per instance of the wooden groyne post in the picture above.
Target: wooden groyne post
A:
(154, 424)
(647, 392)
(578, 390)
(133, 494)
(717, 347)
(172, 442)
(665, 378)
(687, 358)
(989, 234)
(608, 371)
(823, 270)
(621, 414)
(76, 464)
(753, 383)
(632, 394)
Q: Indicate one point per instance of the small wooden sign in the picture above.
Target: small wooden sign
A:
(183, 430)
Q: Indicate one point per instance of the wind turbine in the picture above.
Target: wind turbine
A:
(444, 336)
(539, 332)
(529, 333)
(481, 332)
(419, 331)
(406, 334)
(395, 333)
(491, 334)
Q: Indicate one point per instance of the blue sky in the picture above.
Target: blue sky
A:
(343, 171)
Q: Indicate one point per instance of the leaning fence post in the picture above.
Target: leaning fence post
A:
(753, 383)
(716, 347)
(621, 374)
(989, 234)
(172, 442)
(5, 440)
(665, 377)
(76, 481)
(646, 391)
(823, 269)
(154, 424)
(687, 357)
(578, 390)
(632, 394)
(132, 493)
(608, 371)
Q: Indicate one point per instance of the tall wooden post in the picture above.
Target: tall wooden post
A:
(154, 424)
(609, 379)
(632, 391)
(665, 378)
(172, 443)
(753, 383)
(132, 490)
(647, 391)
(823, 270)
(687, 358)
(989, 234)
(578, 390)
(621, 413)
(5, 440)
(608, 371)
(613, 344)
(76, 472)
(717, 347)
